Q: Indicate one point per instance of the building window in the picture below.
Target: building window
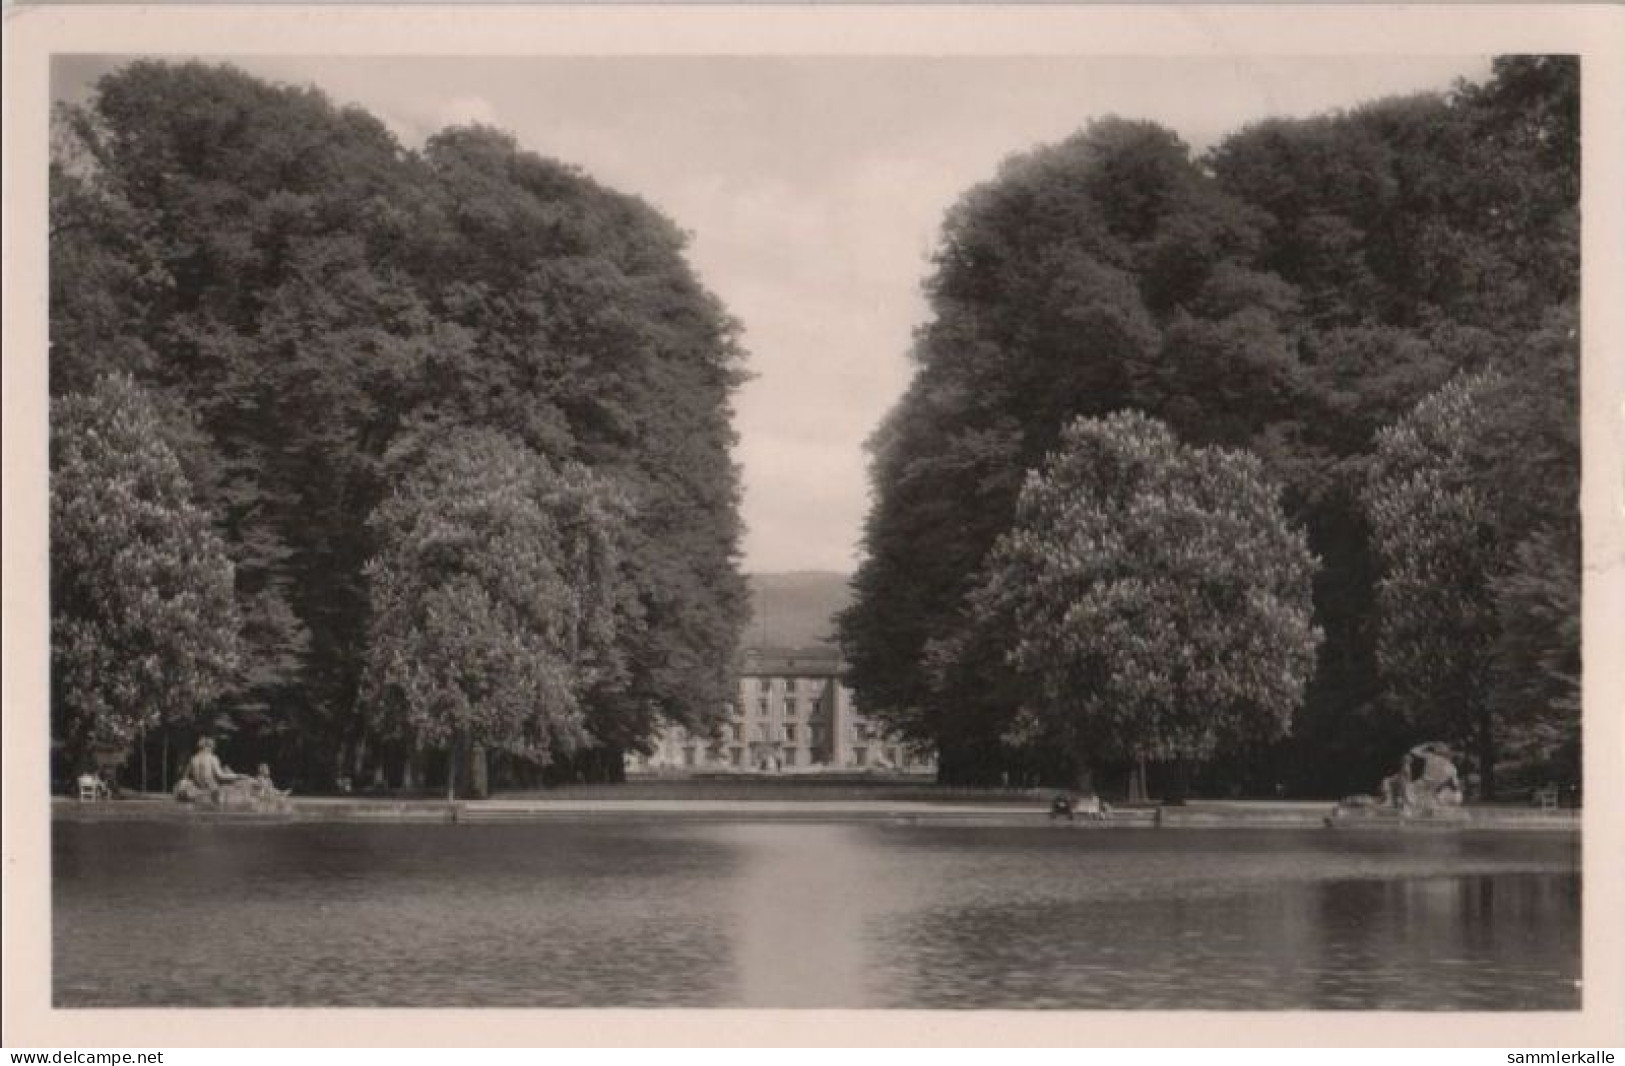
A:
(761, 732)
(761, 707)
(790, 708)
(789, 684)
(790, 731)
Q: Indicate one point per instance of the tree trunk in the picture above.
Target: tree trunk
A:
(479, 772)
(1085, 777)
(1178, 790)
(451, 770)
(411, 772)
(1486, 755)
(77, 752)
(361, 747)
(358, 759)
(1137, 791)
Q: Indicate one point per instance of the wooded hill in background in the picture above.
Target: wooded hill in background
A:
(796, 609)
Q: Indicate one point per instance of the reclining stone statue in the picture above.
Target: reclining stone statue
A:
(206, 780)
(1432, 789)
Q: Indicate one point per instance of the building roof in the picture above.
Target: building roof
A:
(811, 661)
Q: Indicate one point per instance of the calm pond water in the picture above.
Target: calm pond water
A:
(668, 914)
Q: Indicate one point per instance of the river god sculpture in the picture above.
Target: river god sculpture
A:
(1426, 785)
(206, 779)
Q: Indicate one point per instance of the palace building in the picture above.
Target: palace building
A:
(790, 713)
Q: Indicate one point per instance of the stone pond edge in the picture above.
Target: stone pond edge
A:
(496, 811)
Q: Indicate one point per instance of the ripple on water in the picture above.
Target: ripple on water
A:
(597, 914)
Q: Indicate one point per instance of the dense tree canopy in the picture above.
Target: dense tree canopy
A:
(1366, 302)
(311, 292)
(1292, 292)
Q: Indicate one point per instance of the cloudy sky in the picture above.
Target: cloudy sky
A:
(813, 188)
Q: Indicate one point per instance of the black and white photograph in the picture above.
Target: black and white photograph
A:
(872, 532)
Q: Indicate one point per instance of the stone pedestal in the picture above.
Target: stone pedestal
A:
(1374, 816)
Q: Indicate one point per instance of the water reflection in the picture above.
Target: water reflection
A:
(310, 915)
(798, 915)
(802, 897)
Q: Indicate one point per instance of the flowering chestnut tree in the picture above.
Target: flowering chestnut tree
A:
(1151, 601)
(1471, 497)
(497, 599)
(144, 626)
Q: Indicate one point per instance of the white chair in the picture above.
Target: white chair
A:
(91, 788)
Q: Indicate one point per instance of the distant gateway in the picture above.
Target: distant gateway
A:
(791, 714)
